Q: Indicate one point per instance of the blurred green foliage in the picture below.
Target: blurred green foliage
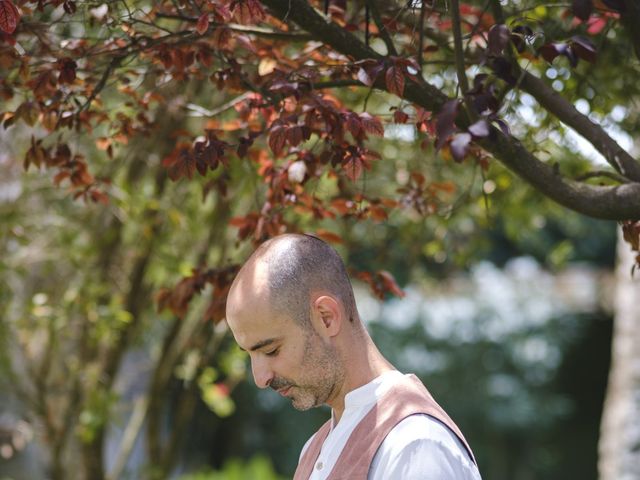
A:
(257, 467)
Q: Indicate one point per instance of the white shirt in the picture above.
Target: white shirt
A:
(418, 448)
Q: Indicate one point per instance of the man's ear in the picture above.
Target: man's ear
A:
(327, 310)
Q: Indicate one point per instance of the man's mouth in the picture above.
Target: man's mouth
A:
(284, 391)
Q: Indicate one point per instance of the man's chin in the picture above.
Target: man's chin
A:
(303, 404)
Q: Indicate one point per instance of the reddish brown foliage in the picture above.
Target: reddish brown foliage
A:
(9, 16)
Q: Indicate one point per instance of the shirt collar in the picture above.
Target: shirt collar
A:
(367, 394)
(370, 393)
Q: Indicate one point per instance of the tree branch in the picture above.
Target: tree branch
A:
(457, 43)
(199, 111)
(607, 202)
(261, 32)
(555, 103)
(382, 28)
(496, 10)
(115, 62)
(421, 34)
(337, 83)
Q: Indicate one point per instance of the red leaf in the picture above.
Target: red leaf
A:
(69, 7)
(390, 283)
(67, 70)
(353, 168)
(203, 24)
(354, 125)
(99, 197)
(294, 135)
(248, 11)
(221, 37)
(328, 236)
(277, 139)
(596, 25)
(631, 233)
(9, 16)
(394, 79)
(400, 117)
(221, 12)
(378, 213)
(372, 124)
(64, 174)
(180, 164)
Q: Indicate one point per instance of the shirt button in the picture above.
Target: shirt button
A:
(319, 466)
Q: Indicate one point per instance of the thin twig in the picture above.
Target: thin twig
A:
(457, 40)
(459, 57)
(264, 32)
(336, 83)
(497, 12)
(382, 28)
(367, 20)
(421, 33)
(115, 62)
(197, 110)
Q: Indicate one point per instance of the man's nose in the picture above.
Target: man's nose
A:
(262, 373)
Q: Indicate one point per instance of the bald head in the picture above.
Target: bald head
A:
(285, 271)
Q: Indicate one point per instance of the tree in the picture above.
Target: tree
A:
(288, 139)
(618, 446)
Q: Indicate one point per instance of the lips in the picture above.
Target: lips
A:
(284, 391)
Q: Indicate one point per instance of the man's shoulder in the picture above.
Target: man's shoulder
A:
(422, 427)
(422, 442)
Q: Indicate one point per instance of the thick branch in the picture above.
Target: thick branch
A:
(607, 202)
(321, 28)
(555, 103)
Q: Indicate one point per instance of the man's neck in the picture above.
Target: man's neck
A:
(364, 367)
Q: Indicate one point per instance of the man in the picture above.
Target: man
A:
(292, 308)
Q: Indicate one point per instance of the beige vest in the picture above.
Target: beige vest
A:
(408, 397)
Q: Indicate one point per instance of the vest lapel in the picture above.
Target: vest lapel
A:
(308, 460)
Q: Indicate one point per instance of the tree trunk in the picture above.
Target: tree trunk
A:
(619, 448)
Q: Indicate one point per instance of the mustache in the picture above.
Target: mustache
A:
(280, 383)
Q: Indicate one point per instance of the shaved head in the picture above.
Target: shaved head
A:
(287, 269)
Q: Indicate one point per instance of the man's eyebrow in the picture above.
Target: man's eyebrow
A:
(262, 344)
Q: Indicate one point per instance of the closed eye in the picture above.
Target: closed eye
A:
(272, 353)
